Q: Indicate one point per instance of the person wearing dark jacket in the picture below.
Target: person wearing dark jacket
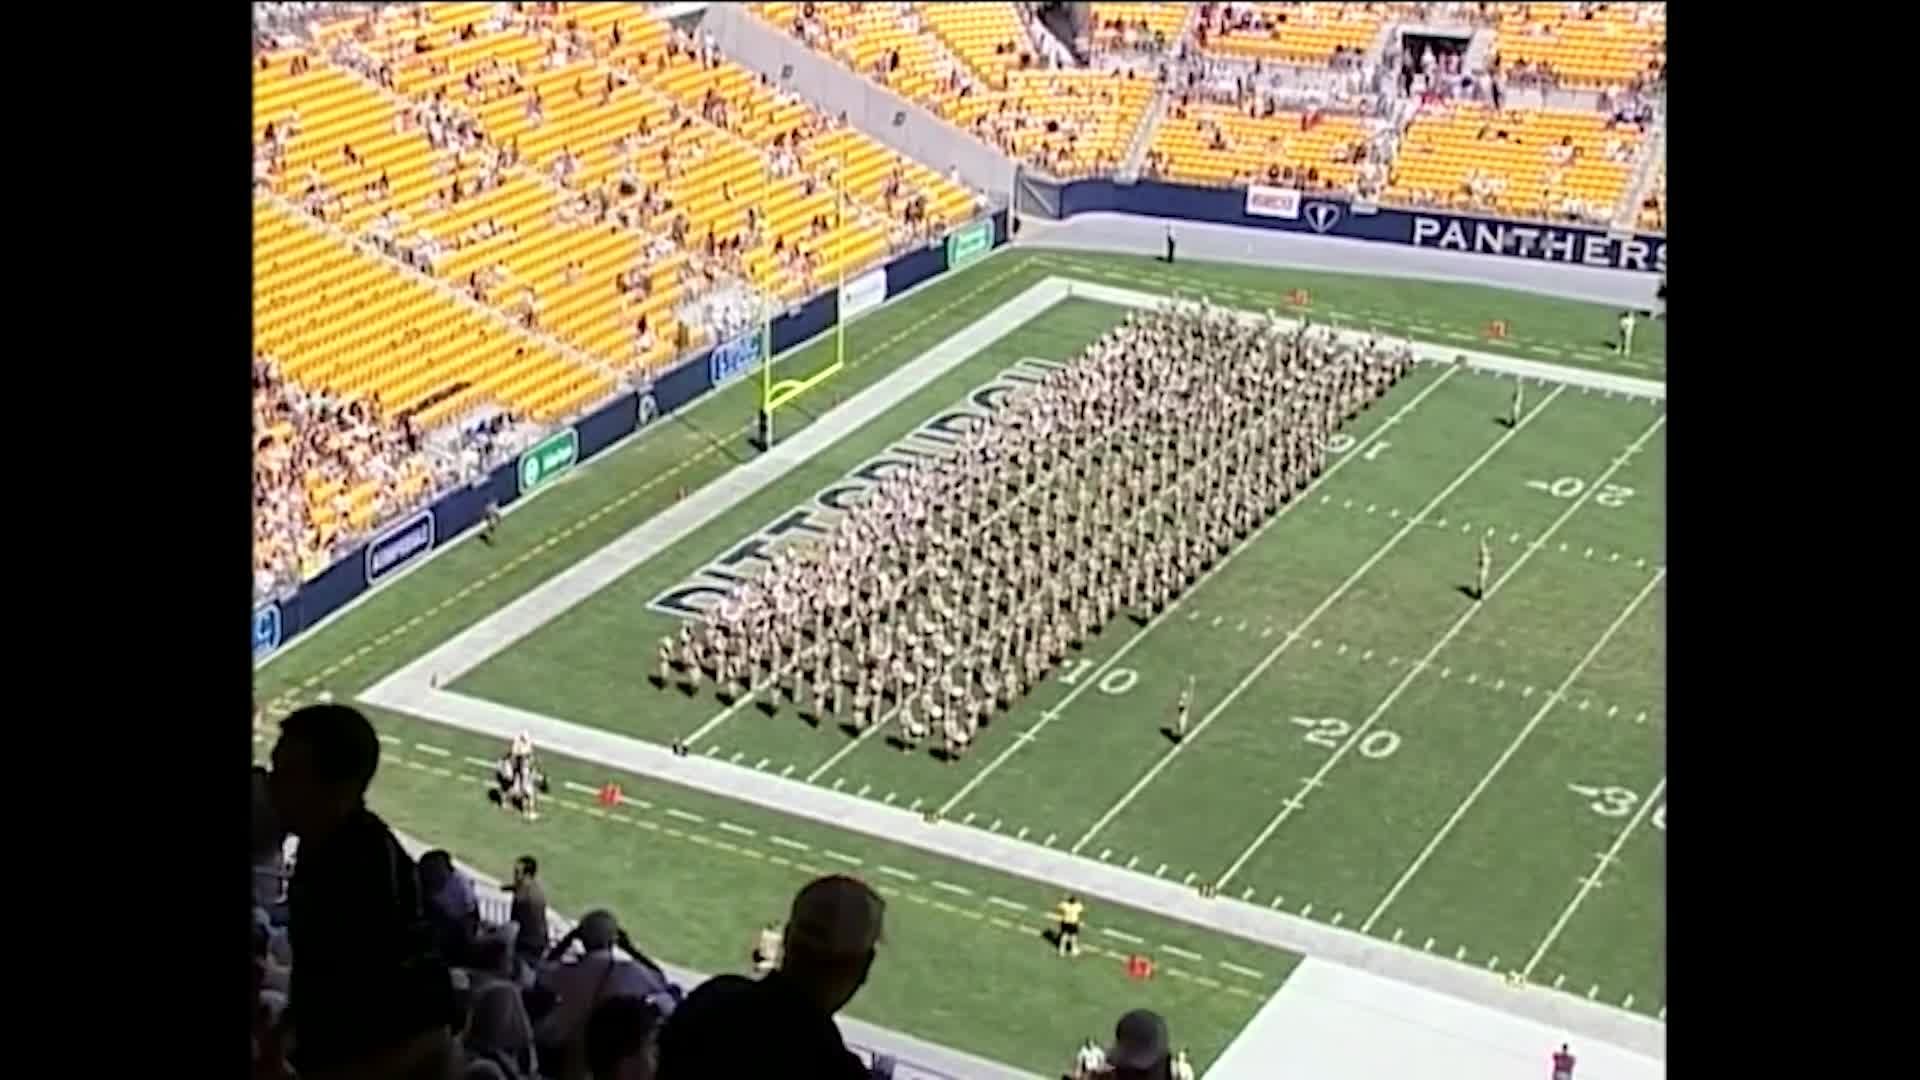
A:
(370, 998)
(826, 955)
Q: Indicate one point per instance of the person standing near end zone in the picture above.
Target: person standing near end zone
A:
(493, 523)
(1519, 402)
(1486, 564)
(1626, 332)
(1169, 245)
(1563, 1063)
(1070, 913)
(1180, 713)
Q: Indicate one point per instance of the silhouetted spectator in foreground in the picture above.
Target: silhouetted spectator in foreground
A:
(370, 999)
(1142, 1048)
(622, 1038)
(829, 949)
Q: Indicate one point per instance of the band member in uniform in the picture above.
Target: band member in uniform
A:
(1180, 713)
(766, 953)
(1486, 564)
(1513, 415)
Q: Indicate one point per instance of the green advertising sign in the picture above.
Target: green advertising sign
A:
(966, 245)
(548, 458)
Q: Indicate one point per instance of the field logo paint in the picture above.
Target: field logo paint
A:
(966, 245)
(1323, 216)
(1542, 242)
(266, 630)
(733, 359)
(1273, 202)
(399, 546)
(549, 458)
(863, 293)
(934, 439)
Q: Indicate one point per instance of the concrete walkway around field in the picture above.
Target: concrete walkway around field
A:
(413, 690)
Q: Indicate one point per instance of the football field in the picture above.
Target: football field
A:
(1372, 748)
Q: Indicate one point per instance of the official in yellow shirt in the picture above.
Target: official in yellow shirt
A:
(1070, 912)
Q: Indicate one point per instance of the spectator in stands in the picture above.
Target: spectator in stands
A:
(453, 912)
(529, 911)
(1142, 1048)
(832, 933)
(370, 998)
(598, 974)
(622, 1039)
(268, 837)
(499, 1034)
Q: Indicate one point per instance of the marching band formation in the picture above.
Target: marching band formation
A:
(1112, 485)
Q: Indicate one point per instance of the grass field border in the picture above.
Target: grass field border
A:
(629, 754)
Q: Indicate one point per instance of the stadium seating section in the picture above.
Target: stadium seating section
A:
(568, 191)
(1137, 26)
(1302, 34)
(1070, 123)
(1592, 46)
(1221, 144)
(1545, 163)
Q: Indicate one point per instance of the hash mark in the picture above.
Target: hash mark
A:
(1104, 852)
(837, 781)
(1398, 932)
(864, 788)
(1160, 871)
(968, 820)
(1460, 953)
(889, 799)
(1559, 980)
(1188, 880)
(914, 805)
(1132, 860)
(1051, 837)
(1306, 912)
(1022, 834)
(995, 827)
(1428, 947)
(1339, 917)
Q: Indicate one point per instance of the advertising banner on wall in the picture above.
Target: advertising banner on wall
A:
(1263, 201)
(863, 293)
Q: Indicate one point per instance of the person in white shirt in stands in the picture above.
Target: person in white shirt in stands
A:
(600, 973)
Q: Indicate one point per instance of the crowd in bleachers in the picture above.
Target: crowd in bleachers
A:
(613, 191)
(328, 469)
(370, 965)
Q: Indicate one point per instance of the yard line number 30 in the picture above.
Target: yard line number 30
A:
(1617, 802)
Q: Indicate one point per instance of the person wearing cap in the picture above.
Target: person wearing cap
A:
(598, 974)
(1140, 1048)
(827, 952)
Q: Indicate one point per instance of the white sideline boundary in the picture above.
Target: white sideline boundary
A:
(411, 690)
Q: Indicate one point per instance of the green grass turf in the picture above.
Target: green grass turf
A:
(605, 499)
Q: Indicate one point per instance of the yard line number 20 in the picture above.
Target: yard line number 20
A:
(1331, 732)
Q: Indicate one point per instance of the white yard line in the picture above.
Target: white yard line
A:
(1592, 881)
(1413, 671)
(1094, 677)
(1507, 755)
(1299, 629)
